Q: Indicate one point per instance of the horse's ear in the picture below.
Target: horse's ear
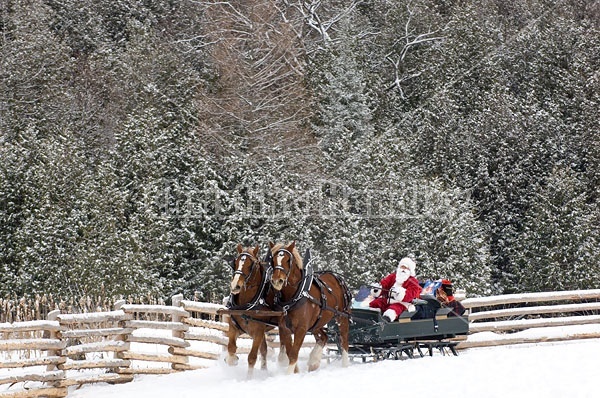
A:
(239, 248)
(271, 244)
(292, 246)
(230, 260)
(255, 251)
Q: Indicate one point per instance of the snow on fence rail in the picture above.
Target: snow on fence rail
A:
(32, 349)
(502, 320)
(44, 358)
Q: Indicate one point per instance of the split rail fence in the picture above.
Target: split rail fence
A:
(506, 315)
(46, 357)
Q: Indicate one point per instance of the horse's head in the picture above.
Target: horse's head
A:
(283, 260)
(245, 265)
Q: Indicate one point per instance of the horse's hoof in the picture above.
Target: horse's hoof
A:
(345, 359)
(312, 368)
(232, 360)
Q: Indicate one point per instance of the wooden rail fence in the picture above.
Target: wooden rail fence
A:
(507, 315)
(46, 357)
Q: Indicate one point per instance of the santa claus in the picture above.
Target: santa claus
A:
(397, 290)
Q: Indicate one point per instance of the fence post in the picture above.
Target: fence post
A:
(176, 302)
(118, 304)
(53, 316)
(121, 337)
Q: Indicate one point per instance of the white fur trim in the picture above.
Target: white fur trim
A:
(391, 314)
(397, 294)
(409, 306)
(376, 290)
(402, 276)
(412, 266)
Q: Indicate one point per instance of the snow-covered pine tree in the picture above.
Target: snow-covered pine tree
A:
(559, 241)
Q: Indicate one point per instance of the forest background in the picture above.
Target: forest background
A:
(141, 140)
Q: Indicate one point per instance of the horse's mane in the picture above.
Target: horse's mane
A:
(295, 253)
(248, 249)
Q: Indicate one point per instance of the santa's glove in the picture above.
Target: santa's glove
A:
(397, 294)
(375, 290)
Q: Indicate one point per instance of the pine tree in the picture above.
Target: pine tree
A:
(559, 240)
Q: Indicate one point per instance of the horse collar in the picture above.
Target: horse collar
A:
(301, 293)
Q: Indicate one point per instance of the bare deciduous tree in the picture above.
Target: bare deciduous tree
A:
(259, 101)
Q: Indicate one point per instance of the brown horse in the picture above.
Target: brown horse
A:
(249, 291)
(309, 301)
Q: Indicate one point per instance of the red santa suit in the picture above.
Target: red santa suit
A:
(398, 290)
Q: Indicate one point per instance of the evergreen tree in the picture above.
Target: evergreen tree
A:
(141, 141)
(559, 240)
(70, 238)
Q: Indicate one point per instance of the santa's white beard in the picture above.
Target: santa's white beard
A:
(402, 276)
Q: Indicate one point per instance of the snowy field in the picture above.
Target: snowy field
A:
(565, 369)
(549, 369)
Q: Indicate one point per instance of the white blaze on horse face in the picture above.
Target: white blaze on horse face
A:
(236, 277)
(277, 283)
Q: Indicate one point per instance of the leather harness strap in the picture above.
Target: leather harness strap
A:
(258, 301)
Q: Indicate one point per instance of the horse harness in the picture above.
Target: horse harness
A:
(258, 301)
(302, 294)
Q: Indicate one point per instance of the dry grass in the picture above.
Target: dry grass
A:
(19, 309)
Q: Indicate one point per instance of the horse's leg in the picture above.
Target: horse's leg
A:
(263, 352)
(282, 357)
(285, 344)
(344, 327)
(314, 360)
(232, 334)
(258, 338)
(294, 350)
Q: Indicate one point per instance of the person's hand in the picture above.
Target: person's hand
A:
(376, 290)
(397, 294)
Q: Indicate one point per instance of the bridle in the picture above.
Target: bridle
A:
(281, 253)
(259, 298)
(253, 268)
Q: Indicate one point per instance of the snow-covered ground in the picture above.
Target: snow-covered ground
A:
(549, 369)
(562, 369)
